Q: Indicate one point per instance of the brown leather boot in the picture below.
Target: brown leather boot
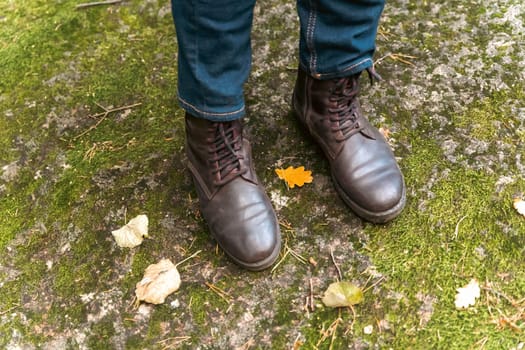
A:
(363, 167)
(233, 202)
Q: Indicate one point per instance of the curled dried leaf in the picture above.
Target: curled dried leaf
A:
(342, 294)
(133, 233)
(159, 281)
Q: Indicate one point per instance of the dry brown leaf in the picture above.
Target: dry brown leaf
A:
(295, 176)
(159, 281)
(519, 205)
(132, 234)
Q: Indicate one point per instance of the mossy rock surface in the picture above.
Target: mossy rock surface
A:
(91, 136)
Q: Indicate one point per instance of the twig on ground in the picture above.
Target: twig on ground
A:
(330, 332)
(456, 231)
(134, 303)
(297, 343)
(373, 285)
(500, 294)
(286, 225)
(172, 342)
(105, 146)
(104, 115)
(397, 57)
(335, 264)
(354, 317)
(247, 345)
(482, 342)
(288, 228)
(97, 3)
(188, 258)
(505, 321)
(384, 32)
(9, 310)
(312, 306)
(288, 250)
(296, 255)
(309, 300)
(502, 321)
(220, 292)
(280, 261)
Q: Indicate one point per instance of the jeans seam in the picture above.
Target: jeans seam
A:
(312, 20)
(187, 104)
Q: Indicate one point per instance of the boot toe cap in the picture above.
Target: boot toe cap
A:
(245, 226)
(260, 243)
(375, 194)
(254, 243)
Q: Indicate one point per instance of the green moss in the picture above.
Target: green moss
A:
(490, 118)
(12, 221)
(57, 61)
(16, 207)
(432, 248)
(101, 334)
(135, 342)
(202, 303)
(83, 47)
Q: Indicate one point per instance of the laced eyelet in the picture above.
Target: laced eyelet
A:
(345, 115)
(226, 155)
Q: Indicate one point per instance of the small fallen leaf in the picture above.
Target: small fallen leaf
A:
(297, 344)
(159, 281)
(385, 132)
(295, 176)
(342, 294)
(519, 205)
(133, 233)
(467, 295)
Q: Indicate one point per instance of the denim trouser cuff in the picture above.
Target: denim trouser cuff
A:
(236, 113)
(352, 69)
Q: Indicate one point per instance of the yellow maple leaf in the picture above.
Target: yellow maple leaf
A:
(295, 176)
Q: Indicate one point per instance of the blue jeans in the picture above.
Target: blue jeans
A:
(337, 39)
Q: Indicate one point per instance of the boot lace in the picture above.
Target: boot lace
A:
(226, 151)
(345, 116)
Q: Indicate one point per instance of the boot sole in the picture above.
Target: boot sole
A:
(373, 217)
(259, 265)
